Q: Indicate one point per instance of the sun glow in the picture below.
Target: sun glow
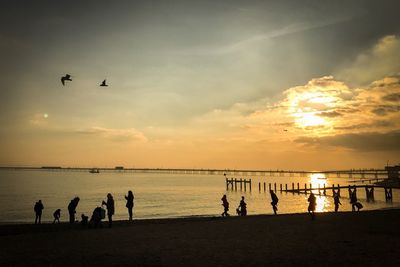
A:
(309, 119)
(306, 108)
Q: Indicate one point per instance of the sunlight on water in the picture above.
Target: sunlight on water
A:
(163, 195)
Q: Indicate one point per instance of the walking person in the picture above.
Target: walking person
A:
(353, 200)
(129, 204)
(38, 208)
(336, 201)
(225, 204)
(312, 204)
(72, 209)
(110, 208)
(274, 201)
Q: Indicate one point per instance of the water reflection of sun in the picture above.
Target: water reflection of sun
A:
(318, 180)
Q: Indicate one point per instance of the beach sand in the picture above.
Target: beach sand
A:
(369, 238)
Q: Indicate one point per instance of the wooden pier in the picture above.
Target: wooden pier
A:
(233, 184)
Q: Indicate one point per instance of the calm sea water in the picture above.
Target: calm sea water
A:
(156, 195)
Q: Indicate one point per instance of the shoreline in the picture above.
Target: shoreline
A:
(183, 217)
(367, 238)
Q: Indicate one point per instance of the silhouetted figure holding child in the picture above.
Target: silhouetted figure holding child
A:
(57, 215)
(242, 209)
(274, 201)
(110, 208)
(312, 203)
(225, 204)
(38, 208)
(129, 204)
(72, 209)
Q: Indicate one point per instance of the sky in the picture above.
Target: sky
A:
(305, 85)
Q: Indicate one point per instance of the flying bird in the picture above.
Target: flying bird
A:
(67, 77)
(104, 83)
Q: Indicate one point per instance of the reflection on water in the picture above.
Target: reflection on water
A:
(318, 180)
(160, 195)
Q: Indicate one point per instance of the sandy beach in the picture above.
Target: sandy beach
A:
(367, 238)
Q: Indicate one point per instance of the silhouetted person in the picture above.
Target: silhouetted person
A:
(129, 204)
(312, 204)
(67, 77)
(353, 200)
(110, 208)
(72, 209)
(274, 201)
(225, 204)
(97, 215)
(38, 208)
(57, 215)
(242, 209)
(336, 201)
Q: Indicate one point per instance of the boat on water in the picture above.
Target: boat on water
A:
(321, 178)
(94, 171)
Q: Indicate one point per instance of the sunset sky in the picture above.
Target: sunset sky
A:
(310, 85)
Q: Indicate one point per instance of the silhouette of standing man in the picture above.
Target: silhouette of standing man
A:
(72, 209)
(129, 204)
(274, 201)
(110, 208)
(38, 208)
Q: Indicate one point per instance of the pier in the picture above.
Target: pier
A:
(367, 175)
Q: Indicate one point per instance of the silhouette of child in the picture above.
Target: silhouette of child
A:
(312, 204)
(57, 215)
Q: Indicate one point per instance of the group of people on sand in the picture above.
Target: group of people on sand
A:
(97, 215)
(312, 204)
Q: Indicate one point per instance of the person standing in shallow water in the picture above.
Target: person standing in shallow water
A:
(72, 209)
(129, 204)
(312, 204)
(336, 201)
(274, 201)
(225, 204)
(38, 208)
(110, 208)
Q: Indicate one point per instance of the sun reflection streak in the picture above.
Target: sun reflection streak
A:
(318, 180)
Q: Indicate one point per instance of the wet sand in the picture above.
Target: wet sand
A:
(369, 238)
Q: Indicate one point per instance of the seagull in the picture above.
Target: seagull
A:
(104, 83)
(67, 77)
(285, 130)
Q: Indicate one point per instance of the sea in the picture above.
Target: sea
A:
(162, 195)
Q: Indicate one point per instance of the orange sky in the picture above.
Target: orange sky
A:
(238, 86)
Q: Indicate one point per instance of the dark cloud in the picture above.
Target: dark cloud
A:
(366, 142)
(383, 124)
(395, 97)
(330, 114)
(384, 110)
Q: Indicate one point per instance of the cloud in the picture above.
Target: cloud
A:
(383, 59)
(115, 134)
(366, 142)
(246, 42)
